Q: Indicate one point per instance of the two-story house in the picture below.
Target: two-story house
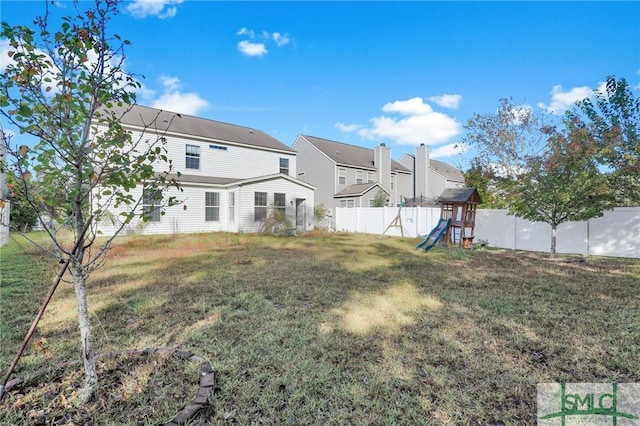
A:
(351, 176)
(430, 177)
(231, 176)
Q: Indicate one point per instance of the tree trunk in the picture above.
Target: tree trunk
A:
(84, 321)
(553, 239)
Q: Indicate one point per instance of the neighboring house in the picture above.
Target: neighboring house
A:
(430, 177)
(351, 176)
(231, 176)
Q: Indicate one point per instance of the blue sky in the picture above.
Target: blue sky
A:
(402, 73)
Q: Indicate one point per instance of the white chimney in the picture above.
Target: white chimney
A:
(421, 171)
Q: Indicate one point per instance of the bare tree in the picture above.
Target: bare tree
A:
(68, 88)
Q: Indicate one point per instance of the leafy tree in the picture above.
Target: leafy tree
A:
(68, 89)
(547, 171)
(613, 115)
(563, 184)
(380, 200)
(21, 215)
(505, 140)
(485, 181)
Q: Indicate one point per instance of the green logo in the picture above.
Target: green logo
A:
(589, 403)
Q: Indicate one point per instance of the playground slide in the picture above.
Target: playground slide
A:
(435, 235)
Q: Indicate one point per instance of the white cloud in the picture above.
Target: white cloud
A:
(53, 73)
(519, 113)
(447, 101)
(244, 31)
(171, 99)
(280, 39)
(413, 106)
(561, 100)
(602, 87)
(161, 8)
(144, 94)
(448, 150)
(420, 124)
(256, 45)
(252, 49)
(5, 60)
(170, 83)
(348, 128)
(174, 100)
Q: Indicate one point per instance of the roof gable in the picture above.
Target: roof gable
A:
(166, 121)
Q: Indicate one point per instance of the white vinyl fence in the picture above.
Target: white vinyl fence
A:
(617, 233)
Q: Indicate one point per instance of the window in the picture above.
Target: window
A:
(151, 204)
(347, 203)
(284, 166)
(372, 202)
(342, 177)
(232, 207)
(358, 176)
(279, 203)
(369, 177)
(218, 147)
(393, 178)
(192, 157)
(260, 204)
(211, 206)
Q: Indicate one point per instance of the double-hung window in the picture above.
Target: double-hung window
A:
(260, 206)
(192, 157)
(359, 176)
(342, 176)
(151, 204)
(369, 177)
(347, 203)
(284, 166)
(212, 206)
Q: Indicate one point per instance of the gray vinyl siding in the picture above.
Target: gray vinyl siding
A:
(439, 183)
(403, 187)
(316, 169)
(407, 161)
(234, 161)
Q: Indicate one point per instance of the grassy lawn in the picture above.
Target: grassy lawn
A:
(328, 329)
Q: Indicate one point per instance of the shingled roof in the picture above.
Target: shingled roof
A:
(358, 189)
(445, 170)
(350, 155)
(460, 195)
(172, 123)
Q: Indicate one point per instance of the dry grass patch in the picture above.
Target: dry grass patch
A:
(160, 381)
(346, 329)
(383, 312)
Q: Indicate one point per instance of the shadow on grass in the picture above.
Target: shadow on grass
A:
(355, 329)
